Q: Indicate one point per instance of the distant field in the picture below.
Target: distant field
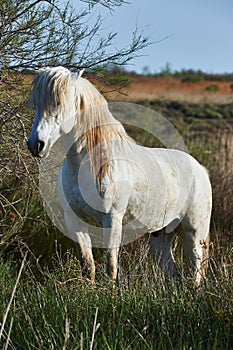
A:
(146, 88)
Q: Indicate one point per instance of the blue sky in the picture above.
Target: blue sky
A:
(200, 33)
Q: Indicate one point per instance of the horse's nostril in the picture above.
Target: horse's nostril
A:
(40, 146)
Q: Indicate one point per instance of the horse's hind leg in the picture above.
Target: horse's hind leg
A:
(194, 227)
(195, 242)
(161, 250)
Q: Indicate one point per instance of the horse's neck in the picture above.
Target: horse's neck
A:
(74, 148)
(69, 140)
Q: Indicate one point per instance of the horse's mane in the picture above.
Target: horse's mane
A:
(50, 89)
(99, 128)
(96, 125)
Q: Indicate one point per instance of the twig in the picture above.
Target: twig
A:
(67, 333)
(8, 336)
(81, 341)
(12, 296)
(95, 328)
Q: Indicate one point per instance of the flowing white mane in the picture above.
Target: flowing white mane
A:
(52, 89)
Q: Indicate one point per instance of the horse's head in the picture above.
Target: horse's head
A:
(53, 96)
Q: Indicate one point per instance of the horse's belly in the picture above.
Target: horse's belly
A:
(156, 207)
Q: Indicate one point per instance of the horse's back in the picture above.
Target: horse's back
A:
(163, 184)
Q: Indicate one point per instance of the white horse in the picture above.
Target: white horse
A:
(164, 192)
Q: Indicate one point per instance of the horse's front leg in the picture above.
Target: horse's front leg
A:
(85, 257)
(84, 247)
(112, 225)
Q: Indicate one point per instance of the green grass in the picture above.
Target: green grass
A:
(56, 309)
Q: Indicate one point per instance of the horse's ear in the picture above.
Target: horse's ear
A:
(80, 72)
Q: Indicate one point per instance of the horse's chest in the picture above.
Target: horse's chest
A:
(80, 202)
(75, 198)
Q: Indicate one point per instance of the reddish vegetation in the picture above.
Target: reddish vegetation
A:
(149, 88)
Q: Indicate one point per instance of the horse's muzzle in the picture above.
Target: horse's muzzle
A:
(36, 148)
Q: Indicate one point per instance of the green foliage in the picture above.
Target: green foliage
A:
(212, 88)
(190, 75)
(195, 78)
(113, 77)
(186, 111)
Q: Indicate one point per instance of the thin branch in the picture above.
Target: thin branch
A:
(110, 4)
(12, 296)
(95, 329)
(26, 10)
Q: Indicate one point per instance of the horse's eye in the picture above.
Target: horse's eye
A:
(81, 103)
